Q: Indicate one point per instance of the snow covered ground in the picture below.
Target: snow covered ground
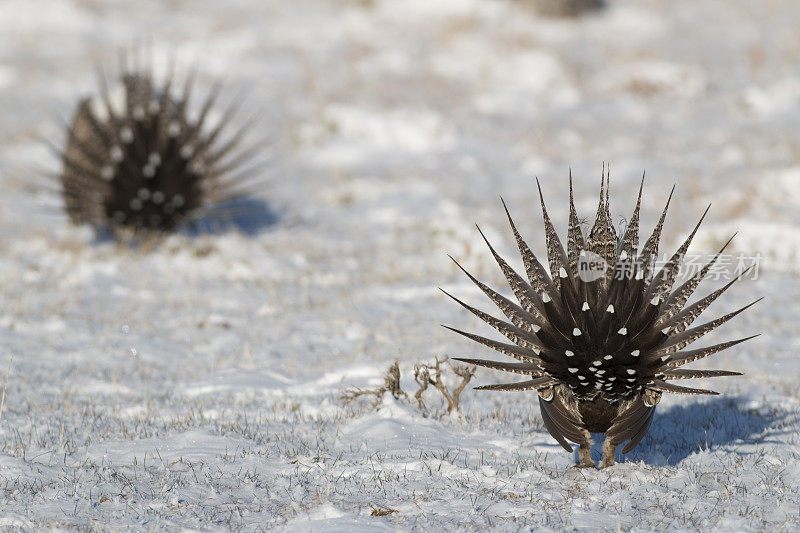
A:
(196, 385)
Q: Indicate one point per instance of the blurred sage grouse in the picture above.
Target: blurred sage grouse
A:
(601, 337)
(140, 163)
(564, 8)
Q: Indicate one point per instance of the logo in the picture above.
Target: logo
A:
(591, 266)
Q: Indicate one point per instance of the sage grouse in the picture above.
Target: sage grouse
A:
(601, 337)
(145, 165)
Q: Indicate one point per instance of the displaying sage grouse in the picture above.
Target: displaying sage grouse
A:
(601, 337)
(145, 165)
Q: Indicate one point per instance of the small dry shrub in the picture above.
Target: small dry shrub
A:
(425, 375)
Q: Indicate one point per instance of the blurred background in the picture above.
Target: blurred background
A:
(472, 97)
(394, 127)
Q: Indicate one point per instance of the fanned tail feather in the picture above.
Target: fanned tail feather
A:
(650, 248)
(674, 360)
(662, 283)
(682, 320)
(675, 301)
(555, 251)
(537, 275)
(681, 340)
(663, 386)
(630, 241)
(516, 335)
(524, 293)
(575, 241)
(512, 350)
(520, 318)
(516, 368)
(538, 383)
(694, 374)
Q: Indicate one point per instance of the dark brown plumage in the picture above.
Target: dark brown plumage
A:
(599, 346)
(146, 166)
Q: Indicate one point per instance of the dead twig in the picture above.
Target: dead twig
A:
(462, 371)
(377, 511)
(391, 383)
(422, 376)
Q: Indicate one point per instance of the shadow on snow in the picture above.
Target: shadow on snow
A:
(681, 430)
(678, 431)
(247, 215)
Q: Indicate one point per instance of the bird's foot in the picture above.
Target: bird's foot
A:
(606, 462)
(608, 454)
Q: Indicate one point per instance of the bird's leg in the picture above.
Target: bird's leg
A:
(585, 451)
(608, 453)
